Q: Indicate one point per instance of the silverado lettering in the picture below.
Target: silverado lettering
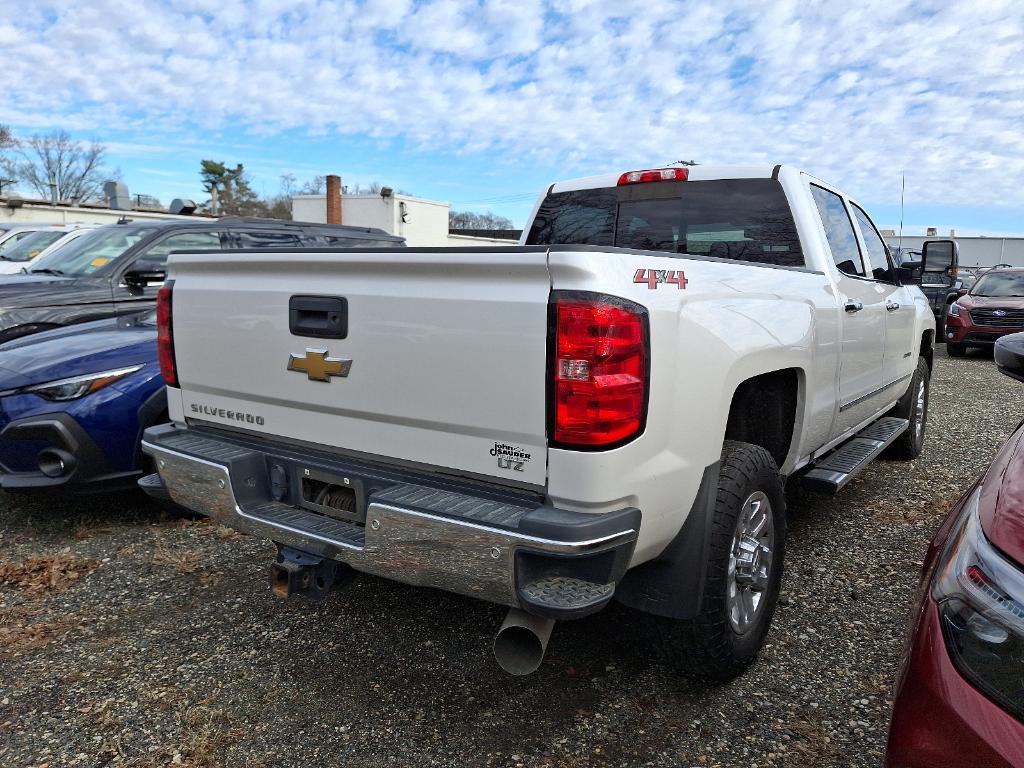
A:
(223, 413)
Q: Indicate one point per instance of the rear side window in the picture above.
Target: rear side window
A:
(340, 241)
(838, 231)
(266, 239)
(183, 241)
(583, 217)
(743, 219)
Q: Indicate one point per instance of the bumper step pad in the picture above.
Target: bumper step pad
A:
(561, 596)
(850, 459)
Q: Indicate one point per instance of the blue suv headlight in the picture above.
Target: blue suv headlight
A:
(76, 386)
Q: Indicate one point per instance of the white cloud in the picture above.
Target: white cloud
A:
(856, 94)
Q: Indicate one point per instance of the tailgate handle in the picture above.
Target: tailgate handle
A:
(322, 317)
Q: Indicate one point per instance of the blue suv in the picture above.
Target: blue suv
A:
(74, 402)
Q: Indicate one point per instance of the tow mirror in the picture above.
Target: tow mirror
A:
(1009, 355)
(909, 272)
(940, 260)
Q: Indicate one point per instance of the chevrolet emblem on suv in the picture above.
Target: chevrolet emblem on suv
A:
(318, 366)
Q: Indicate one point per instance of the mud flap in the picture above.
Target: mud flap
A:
(672, 584)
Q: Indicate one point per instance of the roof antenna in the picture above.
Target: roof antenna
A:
(903, 192)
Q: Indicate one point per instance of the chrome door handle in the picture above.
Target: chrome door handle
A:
(892, 306)
(853, 306)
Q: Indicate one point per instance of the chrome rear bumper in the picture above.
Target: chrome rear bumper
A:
(492, 551)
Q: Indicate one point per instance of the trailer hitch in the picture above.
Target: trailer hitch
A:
(295, 572)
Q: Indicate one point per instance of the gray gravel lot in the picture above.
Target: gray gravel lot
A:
(131, 639)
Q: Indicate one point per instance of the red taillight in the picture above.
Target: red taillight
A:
(600, 371)
(657, 174)
(165, 334)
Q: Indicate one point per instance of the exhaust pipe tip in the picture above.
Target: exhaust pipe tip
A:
(521, 642)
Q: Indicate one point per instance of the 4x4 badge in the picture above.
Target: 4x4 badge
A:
(318, 366)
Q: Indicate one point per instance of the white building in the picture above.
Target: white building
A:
(421, 222)
(975, 251)
(16, 210)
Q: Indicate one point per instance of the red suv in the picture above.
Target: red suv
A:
(993, 308)
(960, 696)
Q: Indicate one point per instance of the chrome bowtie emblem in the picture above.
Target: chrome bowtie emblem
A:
(318, 366)
(999, 312)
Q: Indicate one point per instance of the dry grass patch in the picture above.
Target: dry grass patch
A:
(39, 576)
(183, 561)
(88, 530)
(207, 734)
(19, 634)
(224, 533)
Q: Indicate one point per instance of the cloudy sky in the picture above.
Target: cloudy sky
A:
(483, 103)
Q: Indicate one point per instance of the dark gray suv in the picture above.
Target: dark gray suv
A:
(118, 269)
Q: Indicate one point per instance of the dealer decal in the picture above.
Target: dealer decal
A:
(510, 456)
(655, 277)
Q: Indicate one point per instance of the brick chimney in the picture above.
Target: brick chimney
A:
(334, 199)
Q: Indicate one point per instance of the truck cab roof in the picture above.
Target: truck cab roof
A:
(694, 172)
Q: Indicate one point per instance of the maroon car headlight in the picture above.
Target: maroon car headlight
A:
(981, 604)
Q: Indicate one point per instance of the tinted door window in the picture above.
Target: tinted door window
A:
(838, 231)
(746, 219)
(874, 246)
(155, 257)
(266, 239)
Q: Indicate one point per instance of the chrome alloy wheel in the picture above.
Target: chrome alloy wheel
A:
(750, 561)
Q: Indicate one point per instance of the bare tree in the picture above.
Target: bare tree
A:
(75, 170)
(315, 186)
(471, 220)
(6, 143)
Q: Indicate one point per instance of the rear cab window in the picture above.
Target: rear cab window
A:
(742, 219)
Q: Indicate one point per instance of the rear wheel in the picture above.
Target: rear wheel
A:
(955, 350)
(913, 407)
(743, 570)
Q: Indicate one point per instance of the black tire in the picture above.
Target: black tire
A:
(955, 350)
(913, 406)
(710, 646)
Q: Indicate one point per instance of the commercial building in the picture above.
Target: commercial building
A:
(975, 251)
(421, 222)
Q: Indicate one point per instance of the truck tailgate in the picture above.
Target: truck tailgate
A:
(447, 351)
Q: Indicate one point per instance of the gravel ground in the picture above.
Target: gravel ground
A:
(130, 639)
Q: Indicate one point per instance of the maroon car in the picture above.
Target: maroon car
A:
(993, 308)
(960, 696)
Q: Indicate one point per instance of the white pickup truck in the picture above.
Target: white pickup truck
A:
(609, 410)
